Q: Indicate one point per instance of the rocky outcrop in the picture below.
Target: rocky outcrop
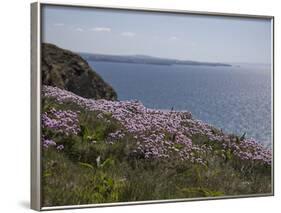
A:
(66, 70)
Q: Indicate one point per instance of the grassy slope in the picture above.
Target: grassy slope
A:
(73, 175)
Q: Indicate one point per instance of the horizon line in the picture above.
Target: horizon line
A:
(167, 58)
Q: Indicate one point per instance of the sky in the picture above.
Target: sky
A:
(179, 36)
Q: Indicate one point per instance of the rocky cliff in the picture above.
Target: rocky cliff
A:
(66, 70)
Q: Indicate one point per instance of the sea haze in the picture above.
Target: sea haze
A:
(236, 98)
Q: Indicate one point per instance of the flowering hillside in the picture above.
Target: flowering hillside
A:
(97, 151)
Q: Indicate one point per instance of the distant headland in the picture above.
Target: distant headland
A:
(144, 59)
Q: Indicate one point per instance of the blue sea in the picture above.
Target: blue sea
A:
(236, 99)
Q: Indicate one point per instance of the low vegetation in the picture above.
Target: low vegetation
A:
(98, 151)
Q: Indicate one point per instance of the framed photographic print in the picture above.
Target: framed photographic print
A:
(139, 105)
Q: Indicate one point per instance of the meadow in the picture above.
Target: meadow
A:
(100, 151)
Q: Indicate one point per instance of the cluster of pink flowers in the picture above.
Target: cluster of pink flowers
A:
(116, 135)
(60, 121)
(51, 143)
(249, 149)
(48, 142)
(63, 121)
(161, 133)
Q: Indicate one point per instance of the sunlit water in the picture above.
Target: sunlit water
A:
(236, 99)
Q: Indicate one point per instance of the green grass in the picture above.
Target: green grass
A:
(73, 176)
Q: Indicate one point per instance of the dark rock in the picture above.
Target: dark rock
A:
(67, 70)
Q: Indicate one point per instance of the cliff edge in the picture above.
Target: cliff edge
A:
(66, 70)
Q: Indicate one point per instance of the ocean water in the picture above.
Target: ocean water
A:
(236, 99)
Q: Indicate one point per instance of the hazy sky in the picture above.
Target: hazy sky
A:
(194, 37)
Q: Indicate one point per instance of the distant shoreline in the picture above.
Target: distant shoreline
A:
(142, 59)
